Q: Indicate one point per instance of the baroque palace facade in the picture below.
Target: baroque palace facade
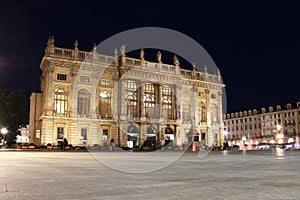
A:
(273, 125)
(90, 98)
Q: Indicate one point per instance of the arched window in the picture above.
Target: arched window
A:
(60, 100)
(83, 107)
(105, 106)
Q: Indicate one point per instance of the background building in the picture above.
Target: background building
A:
(85, 95)
(273, 125)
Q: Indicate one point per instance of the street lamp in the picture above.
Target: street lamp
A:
(4, 131)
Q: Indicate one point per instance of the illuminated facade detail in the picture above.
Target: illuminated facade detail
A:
(155, 101)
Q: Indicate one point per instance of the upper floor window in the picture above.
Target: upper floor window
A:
(131, 98)
(84, 79)
(105, 82)
(83, 102)
(60, 100)
(62, 77)
(167, 102)
(149, 99)
(105, 104)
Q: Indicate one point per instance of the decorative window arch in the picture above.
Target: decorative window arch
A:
(83, 106)
(60, 100)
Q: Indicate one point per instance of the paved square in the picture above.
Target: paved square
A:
(219, 175)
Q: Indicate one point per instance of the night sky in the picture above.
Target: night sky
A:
(255, 43)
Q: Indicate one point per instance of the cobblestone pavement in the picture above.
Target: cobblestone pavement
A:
(219, 175)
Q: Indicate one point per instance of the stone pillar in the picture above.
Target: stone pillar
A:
(50, 91)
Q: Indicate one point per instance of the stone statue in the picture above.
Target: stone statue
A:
(116, 52)
(76, 44)
(49, 41)
(194, 66)
(122, 49)
(158, 57)
(52, 41)
(176, 61)
(205, 69)
(142, 53)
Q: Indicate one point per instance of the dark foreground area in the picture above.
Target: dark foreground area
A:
(216, 175)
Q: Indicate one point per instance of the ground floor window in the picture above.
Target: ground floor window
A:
(60, 133)
(105, 135)
(84, 133)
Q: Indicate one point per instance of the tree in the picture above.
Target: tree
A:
(13, 112)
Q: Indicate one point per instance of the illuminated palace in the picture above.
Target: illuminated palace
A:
(90, 98)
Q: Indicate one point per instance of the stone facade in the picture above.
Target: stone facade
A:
(90, 98)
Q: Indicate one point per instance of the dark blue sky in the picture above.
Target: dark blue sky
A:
(255, 43)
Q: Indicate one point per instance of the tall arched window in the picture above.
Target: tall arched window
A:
(60, 100)
(83, 107)
(105, 106)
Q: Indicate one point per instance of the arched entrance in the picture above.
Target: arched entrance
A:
(133, 135)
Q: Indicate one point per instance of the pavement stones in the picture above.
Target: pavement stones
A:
(218, 175)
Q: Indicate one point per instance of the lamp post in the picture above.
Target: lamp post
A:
(4, 132)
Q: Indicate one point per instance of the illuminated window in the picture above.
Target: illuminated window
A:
(60, 100)
(149, 99)
(105, 135)
(131, 98)
(167, 102)
(105, 82)
(105, 105)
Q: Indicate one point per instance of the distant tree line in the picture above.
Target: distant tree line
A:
(13, 112)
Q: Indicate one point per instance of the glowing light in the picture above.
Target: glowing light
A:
(278, 127)
(4, 131)
(291, 140)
